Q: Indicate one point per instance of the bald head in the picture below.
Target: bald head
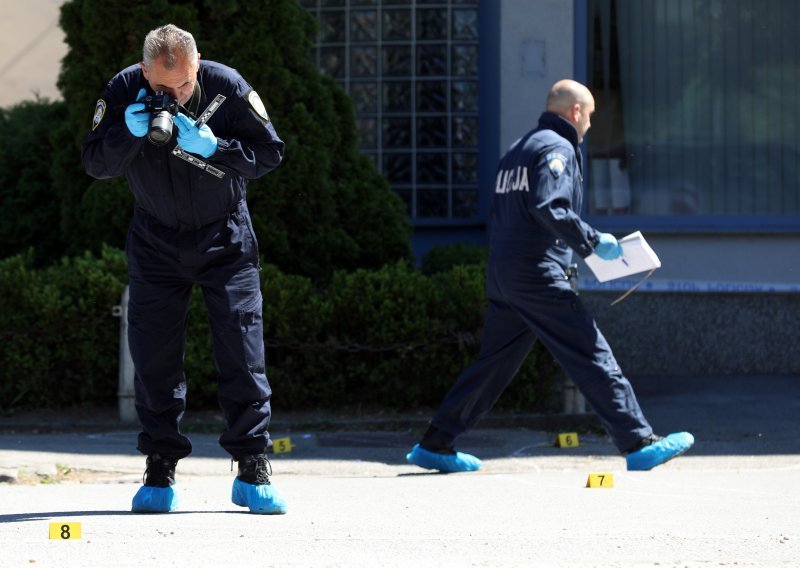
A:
(566, 93)
(572, 101)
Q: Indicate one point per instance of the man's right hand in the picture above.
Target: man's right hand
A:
(137, 122)
(607, 247)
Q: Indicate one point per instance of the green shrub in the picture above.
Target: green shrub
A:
(29, 203)
(60, 341)
(444, 257)
(389, 338)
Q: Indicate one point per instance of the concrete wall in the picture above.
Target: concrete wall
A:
(32, 46)
(685, 334)
(536, 50)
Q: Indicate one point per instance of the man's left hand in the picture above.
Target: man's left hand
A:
(607, 247)
(200, 141)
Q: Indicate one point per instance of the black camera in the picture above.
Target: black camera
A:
(162, 108)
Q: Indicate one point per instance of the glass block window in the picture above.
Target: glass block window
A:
(411, 67)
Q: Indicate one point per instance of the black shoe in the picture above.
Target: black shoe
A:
(650, 440)
(255, 469)
(252, 488)
(438, 442)
(160, 471)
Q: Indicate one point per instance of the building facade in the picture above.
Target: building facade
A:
(695, 142)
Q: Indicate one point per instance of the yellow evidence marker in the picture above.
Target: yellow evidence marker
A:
(282, 445)
(601, 480)
(567, 440)
(65, 531)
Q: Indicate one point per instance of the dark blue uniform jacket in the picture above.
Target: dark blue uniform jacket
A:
(538, 197)
(174, 192)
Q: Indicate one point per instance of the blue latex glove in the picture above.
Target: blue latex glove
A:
(200, 141)
(137, 121)
(607, 247)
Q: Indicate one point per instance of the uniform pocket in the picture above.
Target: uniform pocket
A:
(244, 232)
(251, 325)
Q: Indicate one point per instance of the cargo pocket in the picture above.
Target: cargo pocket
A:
(251, 325)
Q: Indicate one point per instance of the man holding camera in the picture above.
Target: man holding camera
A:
(190, 226)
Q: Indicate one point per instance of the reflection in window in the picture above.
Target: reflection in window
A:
(411, 68)
(465, 60)
(397, 167)
(465, 131)
(465, 24)
(431, 24)
(465, 168)
(432, 96)
(364, 25)
(432, 132)
(396, 96)
(331, 27)
(432, 168)
(365, 97)
(687, 97)
(465, 95)
(365, 62)
(397, 133)
(397, 60)
(396, 24)
(432, 59)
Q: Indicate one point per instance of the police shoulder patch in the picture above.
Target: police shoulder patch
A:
(556, 163)
(258, 105)
(99, 113)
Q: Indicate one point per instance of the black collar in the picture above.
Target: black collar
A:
(560, 125)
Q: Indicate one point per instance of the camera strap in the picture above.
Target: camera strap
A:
(180, 153)
(193, 105)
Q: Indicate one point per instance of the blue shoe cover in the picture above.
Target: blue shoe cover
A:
(155, 500)
(659, 452)
(446, 463)
(261, 499)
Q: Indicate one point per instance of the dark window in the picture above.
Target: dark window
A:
(697, 108)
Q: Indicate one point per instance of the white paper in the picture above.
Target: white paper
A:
(637, 256)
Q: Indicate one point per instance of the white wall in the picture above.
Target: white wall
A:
(536, 50)
(745, 258)
(31, 48)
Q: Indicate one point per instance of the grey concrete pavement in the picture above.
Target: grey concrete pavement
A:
(353, 501)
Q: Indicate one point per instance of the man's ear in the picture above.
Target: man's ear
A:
(576, 113)
(144, 71)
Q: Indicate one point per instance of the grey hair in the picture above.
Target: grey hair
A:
(171, 42)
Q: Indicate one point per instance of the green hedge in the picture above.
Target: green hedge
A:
(59, 342)
(391, 338)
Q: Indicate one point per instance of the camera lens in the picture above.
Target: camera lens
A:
(160, 130)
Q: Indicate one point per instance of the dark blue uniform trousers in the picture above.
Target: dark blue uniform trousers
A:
(164, 263)
(525, 304)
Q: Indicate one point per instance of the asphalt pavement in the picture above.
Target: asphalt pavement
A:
(732, 500)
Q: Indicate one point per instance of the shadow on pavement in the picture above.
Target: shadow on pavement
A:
(728, 416)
